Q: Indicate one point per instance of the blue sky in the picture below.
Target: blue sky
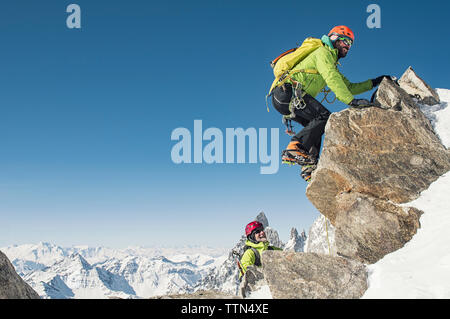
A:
(86, 115)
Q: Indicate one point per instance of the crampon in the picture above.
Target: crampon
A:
(292, 159)
(307, 171)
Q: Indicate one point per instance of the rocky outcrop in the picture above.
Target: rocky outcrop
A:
(418, 88)
(373, 161)
(11, 285)
(292, 275)
(252, 281)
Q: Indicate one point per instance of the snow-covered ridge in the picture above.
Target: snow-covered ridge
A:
(98, 272)
(421, 268)
(439, 116)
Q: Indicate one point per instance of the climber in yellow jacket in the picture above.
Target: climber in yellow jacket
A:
(256, 243)
(304, 86)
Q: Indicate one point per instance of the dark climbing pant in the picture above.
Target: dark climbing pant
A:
(313, 117)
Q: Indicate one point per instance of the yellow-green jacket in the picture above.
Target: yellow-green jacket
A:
(249, 258)
(324, 60)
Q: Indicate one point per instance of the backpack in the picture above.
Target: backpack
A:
(289, 59)
(257, 255)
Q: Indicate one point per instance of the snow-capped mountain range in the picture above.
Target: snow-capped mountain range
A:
(83, 272)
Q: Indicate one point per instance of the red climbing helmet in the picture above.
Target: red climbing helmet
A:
(342, 31)
(252, 226)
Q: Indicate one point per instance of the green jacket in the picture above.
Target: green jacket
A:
(325, 60)
(249, 258)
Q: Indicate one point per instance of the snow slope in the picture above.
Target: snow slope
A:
(421, 269)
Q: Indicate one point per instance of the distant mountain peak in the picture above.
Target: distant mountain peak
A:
(83, 262)
(262, 219)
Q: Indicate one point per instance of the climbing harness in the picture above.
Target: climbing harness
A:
(298, 94)
(297, 103)
(284, 78)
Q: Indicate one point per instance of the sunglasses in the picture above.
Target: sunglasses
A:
(348, 42)
(257, 231)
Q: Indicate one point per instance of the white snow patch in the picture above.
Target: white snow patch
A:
(439, 116)
(261, 293)
(421, 269)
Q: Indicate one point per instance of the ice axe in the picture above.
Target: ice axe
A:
(236, 256)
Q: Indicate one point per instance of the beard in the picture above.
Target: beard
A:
(342, 53)
(342, 49)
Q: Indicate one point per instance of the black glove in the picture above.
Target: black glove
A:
(378, 80)
(361, 103)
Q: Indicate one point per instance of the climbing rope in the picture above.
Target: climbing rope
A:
(326, 91)
(328, 239)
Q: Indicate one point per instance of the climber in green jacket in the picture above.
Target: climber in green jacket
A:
(304, 86)
(256, 243)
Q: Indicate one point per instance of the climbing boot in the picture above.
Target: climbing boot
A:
(307, 171)
(296, 155)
